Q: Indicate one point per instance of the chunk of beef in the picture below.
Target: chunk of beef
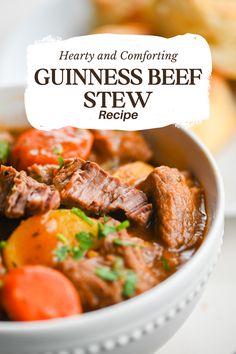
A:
(122, 146)
(149, 250)
(43, 173)
(86, 185)
(140, 257)
(96, 292)
(177, 214)
(20, 195)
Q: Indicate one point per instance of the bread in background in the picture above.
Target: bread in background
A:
(221, 125)
(124, 28)
(118, 11)
(213, 19)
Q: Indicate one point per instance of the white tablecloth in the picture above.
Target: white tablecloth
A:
(211, 328)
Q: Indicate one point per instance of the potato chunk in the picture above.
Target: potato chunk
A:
(35, 239)
(133, 173)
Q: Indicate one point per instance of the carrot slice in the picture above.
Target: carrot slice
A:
(34, 293)
(41, 147)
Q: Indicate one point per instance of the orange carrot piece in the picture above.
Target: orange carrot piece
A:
(32, 293)
(44, 147)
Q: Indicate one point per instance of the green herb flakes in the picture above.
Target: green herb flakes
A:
(165, 264)
(62, 253)
(106, 274)
(123, 225)
(105, 218)
(130, 283)
(4, 151)
(85, 240)
(3, 244)
(118, 263)
(77, 253)
(105, 229)
(118, 272)
(60, 161)
(58, 149)
(62, 238)
(1, 283)
(120, 242)
(78, 212)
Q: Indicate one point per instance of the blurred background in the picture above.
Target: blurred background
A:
(211, 328)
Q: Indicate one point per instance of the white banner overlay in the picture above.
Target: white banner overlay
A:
(110, 81)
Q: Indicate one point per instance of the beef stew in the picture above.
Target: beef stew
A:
(89, 210)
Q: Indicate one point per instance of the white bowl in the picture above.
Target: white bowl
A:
(143, 324)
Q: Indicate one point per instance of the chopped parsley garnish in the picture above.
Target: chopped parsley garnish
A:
(123, 225)
(62, 253)
(85, 240)
(105, 218)
(130, 283)
(118, 263)
(3, 244)
(85, 243)
(105, 229)
(165, 264)
(4, 151)
(60, 161)
(106, 274)
(118, 272)
(1, 283)
(58, 149)
(77, 253)
(120, 242)
(62, 238)
(78, 212)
